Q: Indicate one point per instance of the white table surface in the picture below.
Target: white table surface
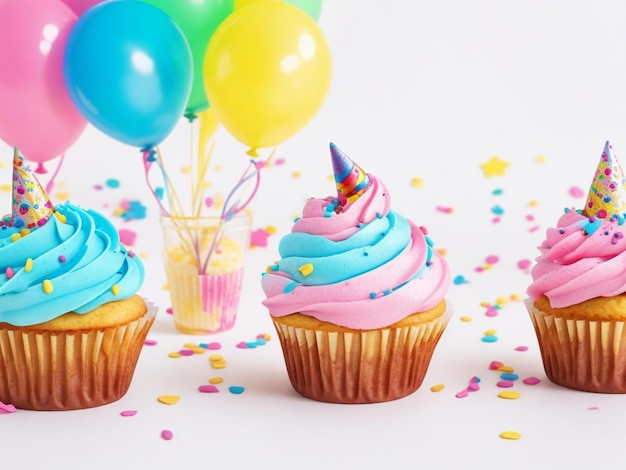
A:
(428, 90)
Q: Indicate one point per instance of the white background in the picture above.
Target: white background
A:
(428, 90)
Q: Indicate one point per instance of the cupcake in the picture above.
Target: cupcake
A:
(71, 323)
(577, 298)
(357, 298)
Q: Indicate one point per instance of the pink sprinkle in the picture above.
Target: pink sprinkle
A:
(259, 237)
(491, 311)
(492, 259)
(521, 348)
(128, 413)
(186, 352)
(534, 228)
(279, 161)
(169, 310)
(505, 383)
(208, 389)
(473, 387)
(531, 380)
(462, 394)
(150, 342)
(496, 220)
(575, 191)
(6, 408)
(479, 269)
(62, 259)
(127, 237)
(523, 264)
(167, 434)
(213, 346)
(593, 408)
(261, 336)
(9, 272)
(242, 345)
(495, 365)
(530, 217)
(208, 202)
(445, 210)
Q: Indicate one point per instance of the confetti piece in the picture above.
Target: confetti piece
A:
(576, 192)
(167, 434)
(460, 279)
(259, 237)
(6, 408)
(510, 435)
(509, 395)
(495, 365)
(462, 394)
(521, 348)
(494, 167)
(242, 345)
(208, 389)
(417, 182)
(127, 237)
(236, 389)
(492, 259)
(112, 183)
(168, 399)
(523, 264)
(437, 388)
(128, 413)
(531, 380)
(445, 210)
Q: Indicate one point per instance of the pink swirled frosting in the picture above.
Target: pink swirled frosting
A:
(582, 258)
(362, 267)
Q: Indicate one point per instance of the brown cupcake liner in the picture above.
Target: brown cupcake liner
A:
(203, 304)
(587, 355)
(56, 371)
(367, 366)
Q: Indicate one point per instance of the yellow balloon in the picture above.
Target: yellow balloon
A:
(267, 71)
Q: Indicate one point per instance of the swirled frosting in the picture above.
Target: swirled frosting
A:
(581, 258)
(74, 262)
(362, 265)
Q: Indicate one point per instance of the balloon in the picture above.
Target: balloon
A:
(36, 113)
(197, 19)
(266, 71)
(128, 70)
(310, 7)
(81, 6)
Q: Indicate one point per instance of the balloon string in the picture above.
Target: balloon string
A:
(50, 184)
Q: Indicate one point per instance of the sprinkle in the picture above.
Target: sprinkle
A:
(6, 408)
(494, 167)
(174, 355)
(259, 237)
(490, 332)
(47, 286)
(168, 399)
(9, 272)
(437, 388)
(460, 279)
(505, 383)
(497, 210)
(214, 346)
(521, 348)
(495, 365)
(15, 237)
(509, 395)
(242, 345)
(462, 394)
(218, 364)
(417, 182)
(115, 289)
(208, 389)
(306, 269)
(150, 342)
(216, 357)
(236, 389)
(127, 237)
(523, 264)
(112, 183)
(216, 380)
(445, 210)
(510, 435)
(128, 413)
(167, 434)
(28, 267)
(509, 376)
(186, 352)
(531, 380)
(62, 259)
(465, 318)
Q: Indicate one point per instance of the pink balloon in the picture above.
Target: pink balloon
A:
(36, 112)
(81, 6)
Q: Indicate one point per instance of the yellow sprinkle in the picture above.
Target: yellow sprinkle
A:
(190, 345)
(216, 357)
(502, 300)
(466, 318)
(296, 174)
(487, 267)
(218, 364)
(271, 229)
(306, 269)
(24, 232)
(484, 304)
(60, 217)
(515, 297)
(168, 399)
(490, 332)
(505, 369)
(15, 237)
(267, 337)
(186, 169)
(28, 267)
(115, 289)
(216, 380)
(47, 286)
(540, 159)
(174, 354)
(118, 212)
(533, 203)
(5, 187)
(511, 435)
(437, 388)
(509, 395)
(218, 168)
(442, 251)
(165, 286)
(198, 350)
(417, 182)
(62, 196)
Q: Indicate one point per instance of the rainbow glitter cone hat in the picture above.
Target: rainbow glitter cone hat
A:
(350, 179)
(607, 194)
(31, 207)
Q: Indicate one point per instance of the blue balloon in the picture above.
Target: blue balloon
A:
(128, 70)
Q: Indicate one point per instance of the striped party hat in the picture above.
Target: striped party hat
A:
(350, 179)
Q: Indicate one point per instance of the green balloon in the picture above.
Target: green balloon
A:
(198, 20)
(310, 7)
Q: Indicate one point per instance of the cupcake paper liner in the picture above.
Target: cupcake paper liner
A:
(587, 355)
(367, 366)
(54, 371)
(203, 304)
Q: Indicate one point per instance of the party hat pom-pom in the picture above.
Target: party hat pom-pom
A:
(350, 179)
(31, 206)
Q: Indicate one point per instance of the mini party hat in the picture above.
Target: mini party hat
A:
(607, 195)
(350, 179)
(31, 206)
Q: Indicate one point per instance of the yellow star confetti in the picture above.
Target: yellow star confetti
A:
(494, 167)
